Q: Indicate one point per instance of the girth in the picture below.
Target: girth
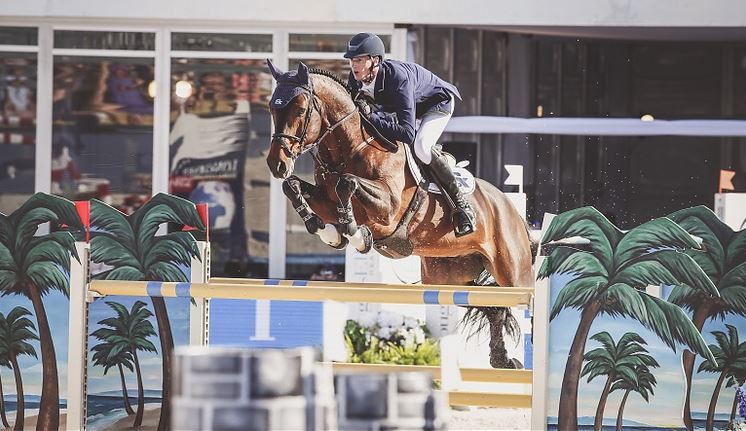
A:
(398, 245)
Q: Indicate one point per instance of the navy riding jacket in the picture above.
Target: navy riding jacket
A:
(407, 89)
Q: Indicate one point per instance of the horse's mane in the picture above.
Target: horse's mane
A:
(331, 76)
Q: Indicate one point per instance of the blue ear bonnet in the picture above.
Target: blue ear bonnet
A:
(290, 85)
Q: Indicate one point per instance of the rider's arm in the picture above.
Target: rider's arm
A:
(400, 128)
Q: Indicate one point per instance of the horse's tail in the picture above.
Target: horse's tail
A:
(533, 242)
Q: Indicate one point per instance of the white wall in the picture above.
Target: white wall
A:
(691, 13)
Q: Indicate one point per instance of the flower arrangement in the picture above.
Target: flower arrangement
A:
(390, 338)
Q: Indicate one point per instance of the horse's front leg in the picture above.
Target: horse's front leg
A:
(295, 189)
(359, 237)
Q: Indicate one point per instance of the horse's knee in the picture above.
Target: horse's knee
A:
(346, 186)
(291, 186)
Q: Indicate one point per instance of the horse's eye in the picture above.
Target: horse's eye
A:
(301, 111)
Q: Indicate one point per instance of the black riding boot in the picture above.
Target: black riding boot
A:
(462, 215)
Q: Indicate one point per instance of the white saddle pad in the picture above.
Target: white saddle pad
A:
(464, 178)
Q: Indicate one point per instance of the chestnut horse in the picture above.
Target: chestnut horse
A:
(364, 190)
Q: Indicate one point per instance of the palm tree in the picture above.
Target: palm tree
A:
(4, 363)
(737, 378)
(103, 357)
(128, 332)
(730, 355)
(33, 266)
(641, 381)
(129, 245)
(724, 262)
(610, 279)
(16, 330)
(614, 361)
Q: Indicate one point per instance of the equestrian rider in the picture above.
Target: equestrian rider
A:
(411, 92)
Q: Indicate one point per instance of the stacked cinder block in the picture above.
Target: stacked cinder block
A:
(394, 401)
(258, 390)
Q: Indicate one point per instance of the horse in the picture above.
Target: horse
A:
(364, 196)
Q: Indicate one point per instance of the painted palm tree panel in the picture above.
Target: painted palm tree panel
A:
(602, 288)
(731, 361)
(122, 337)
(16, 334)
(723, 258)
(614, 361)
(34, 274)
(128, 248)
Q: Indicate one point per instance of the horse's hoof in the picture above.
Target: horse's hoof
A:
(314, 223)
(342, 244)
(367, 239)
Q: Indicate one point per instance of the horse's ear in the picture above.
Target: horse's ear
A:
(277, 73)
(303, 73)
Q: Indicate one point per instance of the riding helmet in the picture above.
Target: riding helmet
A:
(365, 44)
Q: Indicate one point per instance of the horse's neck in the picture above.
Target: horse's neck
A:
(340, 143)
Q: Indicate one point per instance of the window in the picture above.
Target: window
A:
(220, 131)
(17, 127)
(102, 134)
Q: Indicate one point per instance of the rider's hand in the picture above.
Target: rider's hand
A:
(363, 106)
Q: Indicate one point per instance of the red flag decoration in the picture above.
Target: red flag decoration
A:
(726, 180)
(202, 210)
(84, 212)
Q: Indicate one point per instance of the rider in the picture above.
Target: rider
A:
(411, 92)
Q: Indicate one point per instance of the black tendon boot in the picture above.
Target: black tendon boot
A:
(462, 215)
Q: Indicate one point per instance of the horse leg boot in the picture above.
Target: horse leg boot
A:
(359, 237)
(462, 215)
(314, 225)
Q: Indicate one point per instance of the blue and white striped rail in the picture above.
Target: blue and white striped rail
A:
(319, 291)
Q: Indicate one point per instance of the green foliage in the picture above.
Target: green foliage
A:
(617, 359)
(130, 246)
(44, 260)
(125, 334)
(16, 330)
(723, 259)
(617, 268)
(365, 344)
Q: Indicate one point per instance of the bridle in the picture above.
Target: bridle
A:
(285, 139)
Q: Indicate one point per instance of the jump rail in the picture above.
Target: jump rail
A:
(318, 292)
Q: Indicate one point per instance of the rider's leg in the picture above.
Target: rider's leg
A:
(432, 125)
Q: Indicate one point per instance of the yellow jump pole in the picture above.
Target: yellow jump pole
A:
(338, 284)
(481, 375)
(410, 295)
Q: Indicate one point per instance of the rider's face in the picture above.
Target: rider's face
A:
(361, 66)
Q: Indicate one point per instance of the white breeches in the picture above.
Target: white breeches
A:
(431, 126)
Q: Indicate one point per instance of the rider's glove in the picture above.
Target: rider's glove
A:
(363, 106)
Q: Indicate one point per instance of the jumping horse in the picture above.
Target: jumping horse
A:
(365, 196)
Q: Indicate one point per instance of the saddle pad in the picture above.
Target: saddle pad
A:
(464, 178)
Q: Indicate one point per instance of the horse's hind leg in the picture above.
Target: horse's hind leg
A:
(295, 189)
(463, 271)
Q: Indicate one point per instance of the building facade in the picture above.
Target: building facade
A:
(121, 101)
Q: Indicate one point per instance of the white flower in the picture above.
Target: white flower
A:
(389, 318)
(410, 322)
(367, 319)
(419, 335)
(385, 332)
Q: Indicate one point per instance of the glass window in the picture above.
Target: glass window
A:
(18, 36)
(102, 134)
(339, 67)
(17, 129)
(220, 132)
(221, 42)
(104, 40)
(307, 257)
(327, 42)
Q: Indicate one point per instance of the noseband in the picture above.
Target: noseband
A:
(286, 139)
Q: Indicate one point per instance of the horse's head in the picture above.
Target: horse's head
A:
(297, 119)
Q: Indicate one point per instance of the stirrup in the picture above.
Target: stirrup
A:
(463, 226)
